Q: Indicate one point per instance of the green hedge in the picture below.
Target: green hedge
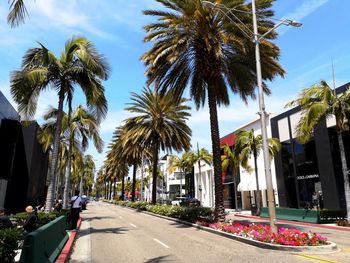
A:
(43, 218)
(190, 214)
(331, 215)
(9, 242)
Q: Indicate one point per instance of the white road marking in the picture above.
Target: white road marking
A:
(120, 217)
(132, 225)
(160, 242)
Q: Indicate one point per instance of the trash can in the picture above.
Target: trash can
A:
(254, 210)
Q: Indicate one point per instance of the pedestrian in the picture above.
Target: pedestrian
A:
(320, 200)
(5, 221)
(75, 209)
(31, 220)
(315, 200)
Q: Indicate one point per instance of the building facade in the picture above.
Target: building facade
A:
(314, 168)
(22, 160)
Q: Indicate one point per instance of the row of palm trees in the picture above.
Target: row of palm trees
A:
(193, 47)
(79, 65)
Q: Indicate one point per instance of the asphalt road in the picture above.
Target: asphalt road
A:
(114, 234)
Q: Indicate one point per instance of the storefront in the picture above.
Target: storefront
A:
(309, 174)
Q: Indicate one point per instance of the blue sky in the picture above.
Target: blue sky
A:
(115, 26)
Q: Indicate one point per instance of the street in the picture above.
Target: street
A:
(113, 234)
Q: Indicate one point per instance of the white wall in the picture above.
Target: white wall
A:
(205, 182)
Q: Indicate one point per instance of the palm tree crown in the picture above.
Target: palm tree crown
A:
(200, 48)
(79, 64)
(160, 123)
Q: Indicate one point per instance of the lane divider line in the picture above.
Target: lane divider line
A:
(318, 259)
(132, 225)
(120, 217)
(160, 242)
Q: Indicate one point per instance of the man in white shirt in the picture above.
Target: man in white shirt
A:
(75, 209)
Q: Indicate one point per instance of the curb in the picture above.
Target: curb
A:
(331, 247)
(297, 223)
(64, 255)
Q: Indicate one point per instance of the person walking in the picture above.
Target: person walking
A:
(75, 209)
(31, 220)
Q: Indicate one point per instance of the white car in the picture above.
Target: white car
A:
(178, 200)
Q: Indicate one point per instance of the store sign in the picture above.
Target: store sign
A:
(309, 176)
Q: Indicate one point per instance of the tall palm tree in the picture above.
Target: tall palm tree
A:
(200, 48)
(17, 14)
(160, 123)
(87, 175)
(80, 64)
(248, 145)
(230, 158)
(84, 126)
(202, 155)
(320, 102)
(183, 164)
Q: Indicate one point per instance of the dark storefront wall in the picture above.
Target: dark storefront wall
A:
(23, 164)
(302, 170)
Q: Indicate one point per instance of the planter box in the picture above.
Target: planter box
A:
(301, 215)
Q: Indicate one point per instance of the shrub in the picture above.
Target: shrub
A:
(9, 243)
(331, 215)
(43, 218)
(285, 236)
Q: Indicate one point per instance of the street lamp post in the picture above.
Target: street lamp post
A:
(262, 109)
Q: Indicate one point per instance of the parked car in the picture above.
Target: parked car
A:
(178, 200)
(193, 202)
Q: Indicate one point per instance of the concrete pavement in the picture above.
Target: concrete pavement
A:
(114, 234)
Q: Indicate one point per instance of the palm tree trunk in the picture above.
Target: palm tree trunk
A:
(114, 187)
(235, 189)
(155, 170)
(258, 199)
(123, 187)
(81, 185)
(105, 189)
(345, 173)
(56, 148)
(69, 165)
(181, 183)
(133, 182)
(110, 189)
(219, 211)
(200, 181)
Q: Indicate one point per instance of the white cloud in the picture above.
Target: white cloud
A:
(113, 119)
(304, 10)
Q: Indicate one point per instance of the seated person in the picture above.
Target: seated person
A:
(31, 220)
(5, 221)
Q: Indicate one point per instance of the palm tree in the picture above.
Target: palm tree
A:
(200, 48)
(18, 13)
(79, 64)
(318, 103)
(87, 175)
(160, 123)
(202, 155)
(247, 145)
(183, 164)
(84, 126)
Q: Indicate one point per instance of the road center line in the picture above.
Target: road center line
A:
(160, 242)
(132, 225)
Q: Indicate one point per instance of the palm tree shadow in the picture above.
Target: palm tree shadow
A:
(90, 231)
(159, 259)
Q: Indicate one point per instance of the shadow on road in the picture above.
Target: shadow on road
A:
(180, 225)
(90, 231)
(98, 218)
(159, 259)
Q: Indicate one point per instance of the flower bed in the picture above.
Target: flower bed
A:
(285, 236)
